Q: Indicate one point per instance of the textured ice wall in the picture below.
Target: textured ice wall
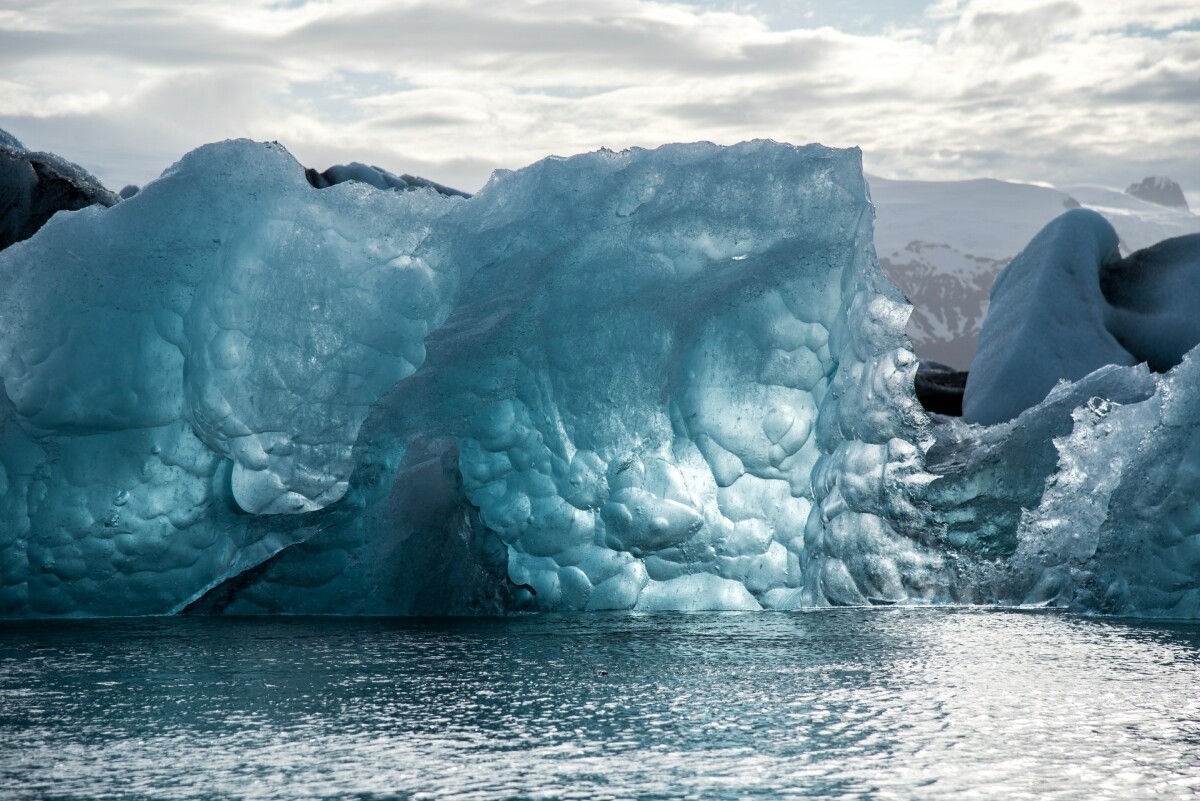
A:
(205, 350)
(669, 379)
(662, 379)
(654, 355)
(1089, 500)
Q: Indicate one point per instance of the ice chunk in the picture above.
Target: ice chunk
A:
(667, 379)
(376, 177)
(1154, 295)
(1046, 321)
(599, 380)
(1086, 502)
(232, 295)
(1068, 304)
(34, 186)
(599, 384)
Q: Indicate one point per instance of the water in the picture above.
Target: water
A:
(887, 704)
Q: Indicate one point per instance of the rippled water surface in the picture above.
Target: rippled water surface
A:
(882, 704)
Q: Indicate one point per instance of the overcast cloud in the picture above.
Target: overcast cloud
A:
(1096, 91)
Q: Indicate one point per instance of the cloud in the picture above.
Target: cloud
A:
(1019, 34)
(1092, 90)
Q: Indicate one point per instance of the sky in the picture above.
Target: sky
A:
(1062, 92)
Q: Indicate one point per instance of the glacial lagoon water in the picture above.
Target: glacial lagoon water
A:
(848, 704)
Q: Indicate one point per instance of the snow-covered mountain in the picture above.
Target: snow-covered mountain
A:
(943, 242)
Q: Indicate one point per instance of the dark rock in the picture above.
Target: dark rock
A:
(1162, 191)
(129, 191)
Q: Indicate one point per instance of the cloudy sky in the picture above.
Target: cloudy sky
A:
(1090, 91)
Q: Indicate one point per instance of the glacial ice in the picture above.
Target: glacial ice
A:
(598, 384)
(1046, 320)
(654, 379)
(1153, 295)
(1069, 304)
(376, 177)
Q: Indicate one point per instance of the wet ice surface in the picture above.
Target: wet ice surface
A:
(847, 704)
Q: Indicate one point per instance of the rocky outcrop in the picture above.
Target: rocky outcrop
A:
(1160, 190)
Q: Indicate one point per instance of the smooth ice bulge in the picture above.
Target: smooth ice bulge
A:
(1046, 321)
(1069, 304)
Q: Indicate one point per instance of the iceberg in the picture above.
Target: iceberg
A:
(1046, 320)
(376, 177)
(605, 382)
(1069, 304)
(668, 379)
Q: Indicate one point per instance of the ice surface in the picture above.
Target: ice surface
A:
(1087, 501)
(1154, 295)
(1046, 319)
(648, 439)
(1069, 304)
(598, 384)
(667, 379)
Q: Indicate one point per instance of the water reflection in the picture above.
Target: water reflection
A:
(854, 704)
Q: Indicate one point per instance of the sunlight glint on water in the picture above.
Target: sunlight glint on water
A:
(849, 704)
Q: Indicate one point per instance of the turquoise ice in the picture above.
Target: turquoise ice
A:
(653, 379)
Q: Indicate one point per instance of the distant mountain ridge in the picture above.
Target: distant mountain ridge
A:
(943, 242)
(1160, 190)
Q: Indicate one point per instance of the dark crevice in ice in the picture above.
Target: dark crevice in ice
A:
(940, 388)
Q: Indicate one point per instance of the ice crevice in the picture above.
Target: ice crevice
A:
(664, 379)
